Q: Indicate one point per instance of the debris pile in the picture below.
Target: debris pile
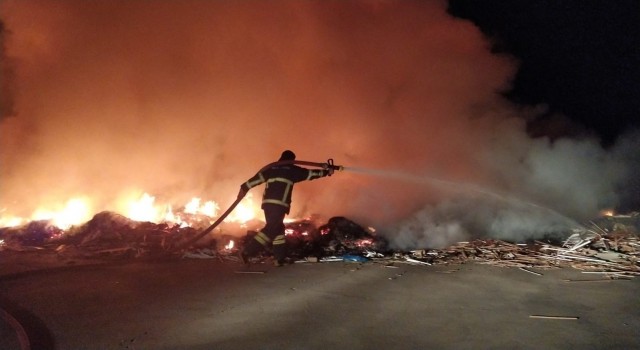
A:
(339, 236)
(107, 234)
(595, 250)
(608, 247)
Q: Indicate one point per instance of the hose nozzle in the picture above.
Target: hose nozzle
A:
(333, 167)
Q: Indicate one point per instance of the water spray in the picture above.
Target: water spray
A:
(459, 187)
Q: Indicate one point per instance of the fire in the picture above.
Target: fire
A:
(74, 212)
(138, 207)
(229, 245)
(209, 208)
(11, 221)
(290, 231)
(143, 209)
(146, 209)
(245, 210)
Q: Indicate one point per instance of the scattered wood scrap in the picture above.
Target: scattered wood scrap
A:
(615, 254)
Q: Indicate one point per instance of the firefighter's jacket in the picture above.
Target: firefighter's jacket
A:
(279, 181)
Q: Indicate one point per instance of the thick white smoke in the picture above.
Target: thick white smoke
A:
(190, 98)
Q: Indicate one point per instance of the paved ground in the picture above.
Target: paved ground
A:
(205, 304)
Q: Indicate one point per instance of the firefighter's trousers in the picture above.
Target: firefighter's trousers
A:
(271, 235)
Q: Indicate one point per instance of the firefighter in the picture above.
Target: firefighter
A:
(276, 203)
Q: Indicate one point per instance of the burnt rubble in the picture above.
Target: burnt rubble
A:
(607, 246)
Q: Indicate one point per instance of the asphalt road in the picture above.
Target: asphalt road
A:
(206, 304)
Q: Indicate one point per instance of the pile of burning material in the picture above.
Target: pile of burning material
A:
(106, 234)
(609, 247)
(111, 235)
(306, 241)
(339, 236)
(30, 236)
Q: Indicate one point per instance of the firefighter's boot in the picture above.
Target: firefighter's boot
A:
(279, 250)
(250, 249)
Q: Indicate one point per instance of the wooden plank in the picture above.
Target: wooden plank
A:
(547, 317)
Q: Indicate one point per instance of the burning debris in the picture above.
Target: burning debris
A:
(112, 234)
(609, 246)
(106, 234)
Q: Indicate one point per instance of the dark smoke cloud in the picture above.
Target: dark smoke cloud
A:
(190, 98)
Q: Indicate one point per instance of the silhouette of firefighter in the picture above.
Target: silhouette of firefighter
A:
(276, 203)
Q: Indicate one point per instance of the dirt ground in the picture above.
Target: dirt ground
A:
(208, 304)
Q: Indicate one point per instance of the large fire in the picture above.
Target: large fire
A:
(145, 207)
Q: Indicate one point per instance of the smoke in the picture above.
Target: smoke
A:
(6, 102)
(190, 98)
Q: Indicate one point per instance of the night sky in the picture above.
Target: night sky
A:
(507, 118)
(580, 59)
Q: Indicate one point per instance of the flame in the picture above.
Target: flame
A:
(229, 245)
(245, 210)
(209, 208)
(171, 217)
(143, 209)
(138, 207)
(75, 211)
(11, 221)
(146, 209)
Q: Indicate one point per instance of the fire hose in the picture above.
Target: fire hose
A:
(328, 165)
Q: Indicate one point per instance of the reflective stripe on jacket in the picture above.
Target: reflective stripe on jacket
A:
(279, 182)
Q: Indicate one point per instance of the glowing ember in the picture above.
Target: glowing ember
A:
(607, 212)
(364, 242)
(229, 245)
